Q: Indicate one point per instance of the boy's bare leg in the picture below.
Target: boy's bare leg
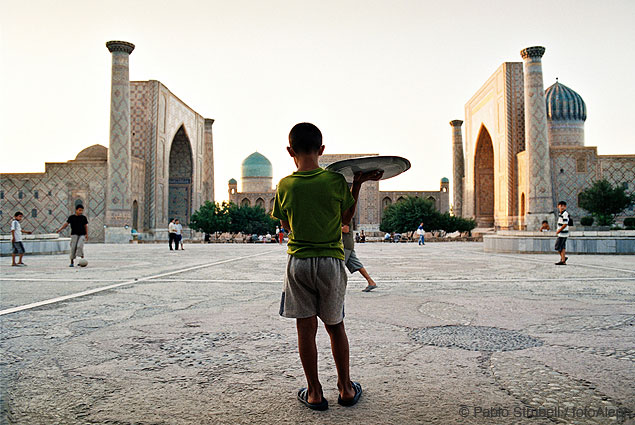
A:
(13, 263)
(562, 256)
(20, 259)
(364, 273)
(307, 329)
(339, 348)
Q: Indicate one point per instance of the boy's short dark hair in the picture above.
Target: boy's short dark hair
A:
(545, 221)
(17, 214)
(562, 203)
(78, 206)
(305, 138)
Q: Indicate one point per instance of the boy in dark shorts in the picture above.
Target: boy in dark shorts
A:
(16, 239)
(79, 233)
(562, 233)
(311, 205)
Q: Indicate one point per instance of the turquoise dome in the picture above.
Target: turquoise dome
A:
(564, 104)
(233, 181)
(256, 165)
(445, 180)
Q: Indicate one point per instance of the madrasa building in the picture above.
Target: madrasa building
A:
(158, 165)
(525, 151)
(257, 190)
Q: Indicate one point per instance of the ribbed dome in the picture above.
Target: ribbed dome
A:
(256, 165)
(564, 104)
(93, 153)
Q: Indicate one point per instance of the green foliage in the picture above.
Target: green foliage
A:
(629, 222)
(586, 221)
(406, 215)
(211, 218)
(605, 201)
(250, 220)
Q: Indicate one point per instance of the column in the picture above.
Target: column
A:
(458, 167)
(539, 199)
(118, 190)
(208, 162)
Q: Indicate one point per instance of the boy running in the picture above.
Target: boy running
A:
(16, 240)
(350, 258)
(79, 232)
(562, 233)
(311, 204)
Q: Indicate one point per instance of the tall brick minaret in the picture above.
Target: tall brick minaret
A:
(458, 167)
(539, 200)
(118, 189)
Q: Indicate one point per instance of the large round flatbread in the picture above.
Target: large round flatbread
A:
(391, 166)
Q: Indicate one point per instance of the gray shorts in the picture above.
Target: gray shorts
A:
(314, 286)
(561, 243)
(18, 247)
(352, 262)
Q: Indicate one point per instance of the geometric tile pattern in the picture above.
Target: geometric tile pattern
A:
(180, 189)
(52, 195)
(458, 167)
(118, 204)
(539, 199)
(484, 179)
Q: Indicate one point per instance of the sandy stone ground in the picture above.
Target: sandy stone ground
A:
(452, 336)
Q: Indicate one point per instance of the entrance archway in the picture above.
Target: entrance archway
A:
(180, 177)
(484, 179)
(135, 215)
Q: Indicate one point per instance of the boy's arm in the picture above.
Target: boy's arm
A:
(12, 235)
(357, 185)
(63, 227)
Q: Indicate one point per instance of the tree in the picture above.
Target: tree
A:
(406, 215)
(211, 218)
(605, 201)
(249, 220)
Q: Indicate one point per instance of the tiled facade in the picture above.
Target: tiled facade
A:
(539, 157)
(160, 162)
(48, 198)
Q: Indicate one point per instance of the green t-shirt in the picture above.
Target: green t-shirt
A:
(313, 202)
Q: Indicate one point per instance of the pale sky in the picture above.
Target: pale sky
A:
(376, 76)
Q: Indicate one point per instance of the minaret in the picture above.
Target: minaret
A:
(118, 189)
(458, 167)
(539, 200)
(208, 161)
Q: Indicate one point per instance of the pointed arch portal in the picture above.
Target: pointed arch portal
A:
(180, 177)
(484, 179)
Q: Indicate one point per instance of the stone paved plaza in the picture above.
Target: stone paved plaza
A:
(452, 336)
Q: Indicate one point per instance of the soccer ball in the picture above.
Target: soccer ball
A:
(82, 262)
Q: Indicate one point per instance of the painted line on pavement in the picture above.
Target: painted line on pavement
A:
(117, 285)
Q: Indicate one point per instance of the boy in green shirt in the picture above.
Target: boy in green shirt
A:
(311, 204)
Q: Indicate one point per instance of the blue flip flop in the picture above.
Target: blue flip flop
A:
(303, 396)
(358, 393)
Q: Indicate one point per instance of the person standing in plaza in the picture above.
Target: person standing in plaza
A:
(421, 232)
(16, 239)
(179, 234)
(311, 204)
(350, 258)
(79, 232)
(172, 234)
(562, 233)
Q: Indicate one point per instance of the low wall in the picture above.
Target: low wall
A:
(49, 243)
(578, 242)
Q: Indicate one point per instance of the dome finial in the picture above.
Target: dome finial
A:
(556, 79)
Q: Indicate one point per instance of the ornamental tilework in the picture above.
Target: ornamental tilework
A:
(57, 189)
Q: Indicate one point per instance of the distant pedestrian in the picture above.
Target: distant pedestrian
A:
(281, 236)
(79, 233)
(562, 233)
(16, 239)
(172, 234)
(545, 226)
(350, 258)
(179, 234)
(421, 232)
(362, 237)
